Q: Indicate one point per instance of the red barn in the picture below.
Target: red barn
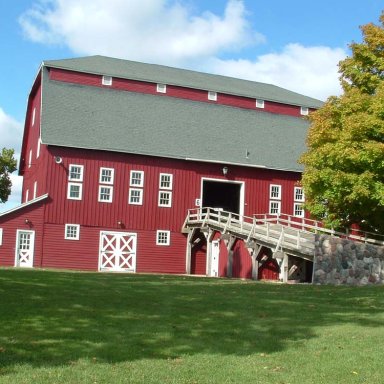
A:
(116, 152)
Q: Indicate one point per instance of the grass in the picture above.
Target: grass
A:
(71, 327)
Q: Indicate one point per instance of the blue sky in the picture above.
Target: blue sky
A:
(293, 44)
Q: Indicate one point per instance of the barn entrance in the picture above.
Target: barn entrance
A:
(226, 195)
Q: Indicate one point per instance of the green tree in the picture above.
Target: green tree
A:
(344, 163)
(7, 166)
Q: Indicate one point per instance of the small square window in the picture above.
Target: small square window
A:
(274, 207)
(304, 111)
(107, 80)
(105, 194)
(163, 237)
(72, 232)
(74, 191)
(299, 194)
(259, 103)
(137, 179)
(165, 181)
(212, 96)
(135, 196)
(161, 88)
(298, 210)
(165, 199)
(106, 175)
(275, 192)
(75, 172)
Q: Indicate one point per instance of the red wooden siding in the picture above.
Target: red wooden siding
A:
(242, 261)
(172, 91)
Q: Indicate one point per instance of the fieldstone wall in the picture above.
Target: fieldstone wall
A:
(340, 261)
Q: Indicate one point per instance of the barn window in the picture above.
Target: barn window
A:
(75, 172)
(1, 236)
(304, 111)
(259, 103)
(106, 175)
(299, 194)
(274, 207)
(105, 193)
(275, 192)
(107, 80)
(137, 179)
(298, 210)
(165, 199)
(163, 237)
(74, 191)
(212, 96)
(135, 196)
(165, 181)
(161, 88)
(72, 232)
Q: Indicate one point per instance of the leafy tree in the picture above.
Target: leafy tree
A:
(7, 166)
(344, 164)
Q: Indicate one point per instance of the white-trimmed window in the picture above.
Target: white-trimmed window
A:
(259, 103)
(275, 191)
(136, 179)
(1, 236)
(274, 207)
(30, 158)
(165, 199)
(75, 191)
(165, 181)
(35, 189)
(72, 232)
(212, 95)
(135, 196)
(299, 194)
(161, 88)
(105, 193)
(106, 175)
(298, 210)
(33, 116)
(304, 111)
(106, 80)
(75, 172)
(163, 237)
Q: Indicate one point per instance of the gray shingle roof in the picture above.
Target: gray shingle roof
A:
(106, 119)
(173, 76)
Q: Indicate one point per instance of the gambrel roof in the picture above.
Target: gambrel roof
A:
(81, 116)
(126, 69)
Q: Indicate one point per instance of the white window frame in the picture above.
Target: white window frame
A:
(35, 189)
(131, 179)
(162, 182)
(1, 236)
(67, 233)
(139, 196)
(299, 194)
(298, 210)
(212, 95)
(163, 238)
(81, 167)
(169, 199)
(272, 191)
(304, 111)
(80, 185)
(111, 170)
(110, 195)
(161, 88)
(260, 103)
(276, 205)
(106, 80)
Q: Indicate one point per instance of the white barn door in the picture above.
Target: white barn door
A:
(25, 244)
(117, 251)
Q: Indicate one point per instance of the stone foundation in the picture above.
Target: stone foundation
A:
(341, 261)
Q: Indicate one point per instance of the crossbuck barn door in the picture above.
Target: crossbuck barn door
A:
(117, 251)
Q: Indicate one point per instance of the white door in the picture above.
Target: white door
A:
(117, 251)
(25, 243)
(215, 250)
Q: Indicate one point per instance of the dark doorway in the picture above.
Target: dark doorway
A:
(225, 195)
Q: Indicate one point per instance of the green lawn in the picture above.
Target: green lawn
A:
(69, 327)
